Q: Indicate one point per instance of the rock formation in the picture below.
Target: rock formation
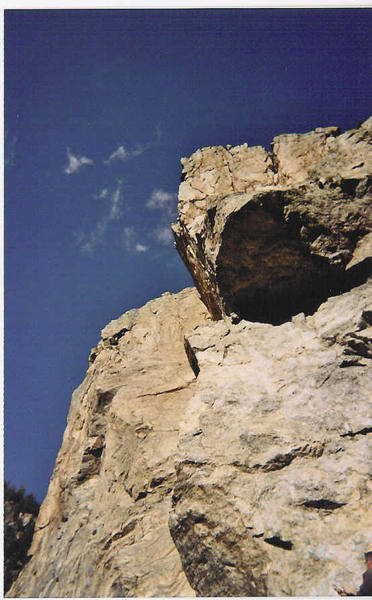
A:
(268, 235)
(103, 527)
(227, 451)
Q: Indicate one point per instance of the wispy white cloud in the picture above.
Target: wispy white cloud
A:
(102, 194)
(130, 242)
(141, 248)
(123, 153)
(164, 235)
(128, 238)
(120, 154)
(165, 203)
(89, 242)
(75, 162)
(158, 133)
(162, 200)
(116, 208)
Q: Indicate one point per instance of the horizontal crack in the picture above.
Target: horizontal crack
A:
(323, 503)
(360, 432)
(283, 460)
(279, 543)
(176, 389)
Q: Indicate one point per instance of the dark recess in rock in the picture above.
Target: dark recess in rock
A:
(104, 399)
(279, 543)
(323, 503)
(273, 275)
(360, 432)
(192, 358)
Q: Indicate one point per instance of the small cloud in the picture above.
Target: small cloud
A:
(102, 194)
(165, 203)
(128, 238)
(162, 200)
(130, 241)
(76, 162)
(141, 248)
(116, 208)
(89, 242)
(122, 153)
(163, 234)
(158, 133)
(119, 154)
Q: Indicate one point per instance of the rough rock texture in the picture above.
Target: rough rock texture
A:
(103, 527)
(274, 468)
(268, 235)
(232, 456)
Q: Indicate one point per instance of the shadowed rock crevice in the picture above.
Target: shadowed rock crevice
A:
(191, 358)
(279, 543)
(267, 273)
(363, 431)
(211, 558)
(267, 269)
(323, 504)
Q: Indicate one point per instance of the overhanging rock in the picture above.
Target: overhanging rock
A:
(268, 235)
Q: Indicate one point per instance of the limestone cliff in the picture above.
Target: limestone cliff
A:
(227, 451)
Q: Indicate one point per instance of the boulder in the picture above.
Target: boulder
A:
(267, 235)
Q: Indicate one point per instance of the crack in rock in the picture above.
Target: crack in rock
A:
(363, 431)
(279, 543)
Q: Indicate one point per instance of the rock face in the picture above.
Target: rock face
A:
(227, 453)
(103, 527)
(269, 235)
(273, 489)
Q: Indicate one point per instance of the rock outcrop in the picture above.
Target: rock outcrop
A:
(267, 235)
(226, 452)
(103, 527)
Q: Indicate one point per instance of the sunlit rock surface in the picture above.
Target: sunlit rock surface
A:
(274, 461)
(103, 527)
(226, 452)
(268, 235)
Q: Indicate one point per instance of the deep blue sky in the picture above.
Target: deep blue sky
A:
(100, 106)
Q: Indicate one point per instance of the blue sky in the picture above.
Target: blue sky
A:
(100, 105)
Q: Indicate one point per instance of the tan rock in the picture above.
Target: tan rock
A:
(275, 233)
(263, 462)
(274, 461)
(103, 527)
